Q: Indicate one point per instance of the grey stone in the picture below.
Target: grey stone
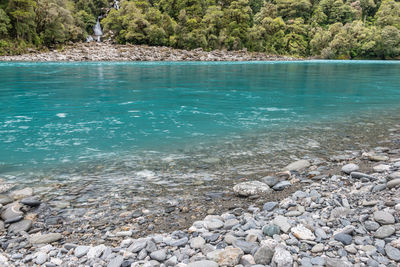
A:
(11, 213)
(371, 226)
(297, 165)
(332, 262)
(81, 251)
(383, 217)
(151, 246)
(180, 242)
(95, 252)
(269, 206)
(270, 180)
(305, 262)
(197, 242)
(393, 183)
(203, 263)
(45, 238)
(394, 175)
(385, 231)
(381, 168)
(158, 255)
(378, 188)
(137, 245)
(17, 227)
(320, 233)
(264, 255)
(230, 223)
(271, 230)
(247, 247)
(281, 185)
(252, 188)
(41, 258)
(318, 261)
(282, 257)
(359, 175)
(213, 224)
(392, 253)
(4, 200)
(282, 223)
(349, 168)
(116, 262)
(31, 201)
(344, 238)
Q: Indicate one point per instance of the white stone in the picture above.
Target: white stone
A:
(302, 233)
(252, 188)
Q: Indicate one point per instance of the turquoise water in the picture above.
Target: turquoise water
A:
(126, 117)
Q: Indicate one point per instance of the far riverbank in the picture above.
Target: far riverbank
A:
(112, 52)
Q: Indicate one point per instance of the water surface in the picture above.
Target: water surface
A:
(142, 126)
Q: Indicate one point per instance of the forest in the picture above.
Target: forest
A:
(331, 29)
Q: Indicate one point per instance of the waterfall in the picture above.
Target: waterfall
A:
(116, 4)
(97, 30)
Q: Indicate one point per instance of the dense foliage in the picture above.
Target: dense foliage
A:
(324, 28)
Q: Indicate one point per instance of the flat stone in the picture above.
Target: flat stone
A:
(392, 253)
(375, 157)
(179, 242)
(371, 225)
(282, 223)
(30, 201)
(4, 200)
(349, 168)
(45, 238)
(23, 193)
(264, 255)
(394, 175)
(359, 175)
(159, 255)
(116, 262)
(393, 183)
(12, 213)
(302, 233)
(137, 245)
(317, 248)
(319, 232)
(20, 226)
(281, 185)
(247, 247)
(378, 188)
(383, 217)
(344, 238)
(197, 242)
(204, 263)
(252, 188)
(269, 206)
(247, 260)
(297, 165)
(385, 231)
(332, 262)
(381, 168)
(213, 224)
(320, 261)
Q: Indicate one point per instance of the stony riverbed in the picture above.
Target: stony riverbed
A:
(111, 52)
(342, 211)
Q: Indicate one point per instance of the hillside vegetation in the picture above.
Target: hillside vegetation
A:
(323, 28)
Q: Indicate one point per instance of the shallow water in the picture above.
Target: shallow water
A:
(152, 128)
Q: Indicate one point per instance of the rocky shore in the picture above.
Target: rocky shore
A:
(341, 211)
(111, 52)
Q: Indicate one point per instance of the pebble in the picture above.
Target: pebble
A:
(45, 238)
(17, 227)
(384, 231)
(81, 251)
(203, 263)
(23, 193)
(302, 233)
(383, 217)
(393, 183)
(297, 165)
(252, 188)
(282, 223)
(41, 258)
(344, 238)
(392, 253)
(349, 168)
(158, 255)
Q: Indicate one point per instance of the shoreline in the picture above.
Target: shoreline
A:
(328, 214)
(113, 52)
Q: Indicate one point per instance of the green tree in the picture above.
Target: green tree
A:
(388, 14)
(4, 23)
(22, 15)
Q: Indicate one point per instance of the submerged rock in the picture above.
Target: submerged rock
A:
(297, 165)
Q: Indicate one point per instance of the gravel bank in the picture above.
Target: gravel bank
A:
(110, 52)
